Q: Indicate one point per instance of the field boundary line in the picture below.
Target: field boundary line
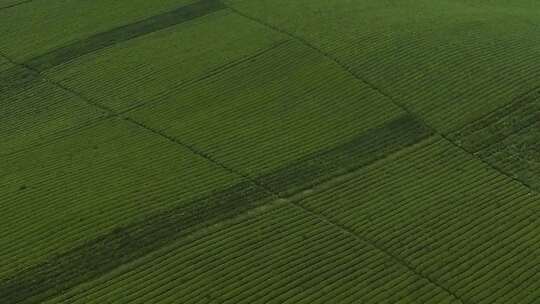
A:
(225, 167)
(202, 154)
(212, 73)
(379, 90)
(123, 33)
(487, 164)
(262, 186)
(137, 123)
(61, 86)
(110, 112)
(377, 247)
(121, 238)
(516, 101)
(294, 202)
(338, 62)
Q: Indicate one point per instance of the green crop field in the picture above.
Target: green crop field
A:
(270, 151)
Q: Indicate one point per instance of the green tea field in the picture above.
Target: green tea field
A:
(270, 151)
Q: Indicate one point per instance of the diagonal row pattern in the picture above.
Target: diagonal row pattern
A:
(243, 115)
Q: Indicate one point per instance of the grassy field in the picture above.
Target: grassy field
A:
(257, 151)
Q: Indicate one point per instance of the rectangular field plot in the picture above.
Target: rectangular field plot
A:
(38, 27)
(59, 196)
(449, 61)
(277, 109)
(119, 79)
(450, 217)
(278, 254)
(34, 110)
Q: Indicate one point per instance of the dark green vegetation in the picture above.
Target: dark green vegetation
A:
(130, 242)
(254, 151)
(123, 33)
(5, 4)
(509, 138)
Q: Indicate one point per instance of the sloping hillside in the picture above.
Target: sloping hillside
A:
(270, 151)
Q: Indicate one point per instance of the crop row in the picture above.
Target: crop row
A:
(270, 103)
(271, 114)
(366, 148)
(124, 33)
(263, 114)
(117, 78)
(33, 109)
(508, 138)
(518, 154)
(87, 185)
(500, 124)
(37, 109)
(39, 27)
(57, 173)
(286, 116)
(453, 218)
(113, 249)
(281, 256)
(450, 62)
(72, 169)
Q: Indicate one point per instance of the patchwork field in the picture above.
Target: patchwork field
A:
(257, 151)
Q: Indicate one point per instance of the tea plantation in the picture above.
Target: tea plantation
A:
(270, 151)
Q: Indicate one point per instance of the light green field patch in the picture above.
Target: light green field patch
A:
(278, 255)
(60, 195)
(33, 29)
(271, 110)
(118, 78)
(453, 218)
(449, 61)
